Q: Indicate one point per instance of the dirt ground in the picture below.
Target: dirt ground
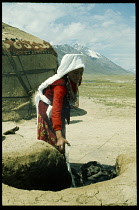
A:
(101, 134)
(97, 133)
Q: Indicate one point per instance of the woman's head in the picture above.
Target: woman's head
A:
(69, 63)
(76, 75)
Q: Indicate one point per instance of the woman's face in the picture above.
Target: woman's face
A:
(76, 75)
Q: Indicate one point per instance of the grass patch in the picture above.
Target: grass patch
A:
(111, 90)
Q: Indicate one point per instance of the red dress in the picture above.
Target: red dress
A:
(57, 94)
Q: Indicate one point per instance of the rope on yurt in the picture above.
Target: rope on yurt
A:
(15, 69)
(18, 74)
(30, 91)
(24, 72)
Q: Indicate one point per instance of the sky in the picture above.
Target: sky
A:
(106, 28)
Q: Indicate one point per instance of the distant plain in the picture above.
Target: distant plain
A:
(111, 90)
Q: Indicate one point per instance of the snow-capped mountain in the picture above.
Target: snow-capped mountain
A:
(95, 62)
(86, 51)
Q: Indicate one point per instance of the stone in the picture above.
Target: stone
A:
(38, 166)
(11, 131)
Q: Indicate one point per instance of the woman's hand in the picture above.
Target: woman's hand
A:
(61, 141)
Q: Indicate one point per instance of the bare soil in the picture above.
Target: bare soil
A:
(97, 132)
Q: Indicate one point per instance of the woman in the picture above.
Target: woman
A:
(54, 98)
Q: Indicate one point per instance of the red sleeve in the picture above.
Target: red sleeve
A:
(59, 93)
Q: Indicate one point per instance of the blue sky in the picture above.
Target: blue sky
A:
(107, 28)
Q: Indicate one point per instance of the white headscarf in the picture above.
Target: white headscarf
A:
(68, 63)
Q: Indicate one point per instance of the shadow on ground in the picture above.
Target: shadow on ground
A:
(75, 121)
(77, 112)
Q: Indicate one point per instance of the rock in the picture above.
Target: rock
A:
(38, 166)
(11, 131)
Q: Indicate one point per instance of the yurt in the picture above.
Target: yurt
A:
(27, 61)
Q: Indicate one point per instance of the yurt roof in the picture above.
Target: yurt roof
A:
(11, 34)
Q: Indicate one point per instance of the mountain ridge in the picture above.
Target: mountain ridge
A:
(95, 62)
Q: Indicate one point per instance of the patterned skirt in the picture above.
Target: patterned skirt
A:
(45, 130)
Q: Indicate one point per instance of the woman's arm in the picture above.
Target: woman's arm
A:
(59, 93)
(61, 141)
